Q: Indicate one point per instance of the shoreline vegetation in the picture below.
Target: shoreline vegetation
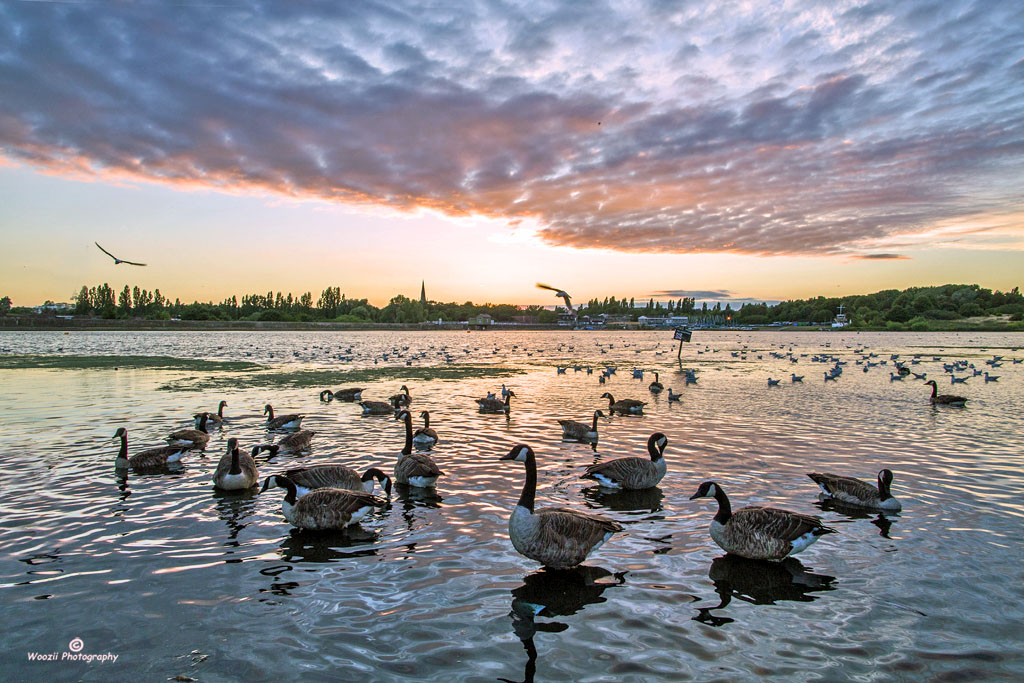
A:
(943, 308)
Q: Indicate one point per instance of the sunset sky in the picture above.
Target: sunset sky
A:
(727, 150)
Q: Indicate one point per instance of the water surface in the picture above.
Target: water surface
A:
(177, 578)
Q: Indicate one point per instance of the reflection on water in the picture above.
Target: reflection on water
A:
(760, 583)
(420, 589)
(882, 520)
(555, 593)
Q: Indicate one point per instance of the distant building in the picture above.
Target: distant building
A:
(423, 292)
(482, 320)
(51, 307)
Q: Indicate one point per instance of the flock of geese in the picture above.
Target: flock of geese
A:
(332, 496)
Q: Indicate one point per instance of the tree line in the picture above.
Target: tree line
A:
(913, 308)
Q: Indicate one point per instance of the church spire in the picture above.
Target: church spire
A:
(423, 292)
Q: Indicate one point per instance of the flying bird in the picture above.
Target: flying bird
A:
(559, 292)
(117, 260)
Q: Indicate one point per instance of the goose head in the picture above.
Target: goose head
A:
(657, 443)
(232, 444)
(520, 452)
(328, 394)
(708, 489)
(121, 433)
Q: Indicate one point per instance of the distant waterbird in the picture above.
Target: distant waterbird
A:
(117, 260)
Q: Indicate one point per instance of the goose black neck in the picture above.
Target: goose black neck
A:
(407, 449)
(202, 424)
(292, 491)
(220, 409)
(935, 388)
(269, 412)
(883, 489)
(526, 498)
(236, 462)
(611, 401)
(123, 453)
(652, 448)
(426, 420)
(724, 513)
(594, 428)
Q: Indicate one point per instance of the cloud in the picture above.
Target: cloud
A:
(710, 294)
(831, 133)
(881, 257)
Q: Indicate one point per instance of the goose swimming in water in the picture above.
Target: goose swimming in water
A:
(559, 538)
(850, 491)
(414, 469)
(760, 533)
(425, 436)
(212, 419)
(377, 408)
(331, 476)
(944, 399)
(296, 442)
(632, 473)
(193, 438)
(656, 386)
(493, 405)
(236, 471)
(351, 394)
(626, 406)
(580, 431)
(290, 421)
(401, 400)
(323, 509)
(149, 458)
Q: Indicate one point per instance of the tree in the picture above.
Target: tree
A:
(5, 305)
(124, 301)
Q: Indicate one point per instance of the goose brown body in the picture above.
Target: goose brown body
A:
(414, 469)
(944, 399)
(580, 431)
(559, 538)
(494, 405)
(289, 421)
(296, 442)
(633, 473)
(656, 387)
(377, 408)
(236, 471)
(333, 476)
(349, 394)
(402, 399)
(851, 491)
(150, 458)
(328, 508)
(627, 406)
(760, 533)
(193, 438)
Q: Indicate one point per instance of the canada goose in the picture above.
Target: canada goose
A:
(850, 491)
(414, 469)
(214, 419)
(296, 442)
(236, 471)
(673, 396)
(290, 421)
(322, 509)
(656, 386)
(580, 431)
(425, 436)
(149, 458)
(493, 405)
(350, 394)
(944, 399)
(193, 438)
(559, 538)
(625, 406)
(632, 473)
(759, 533)
(332, 476)
(401, 399)
(377, 408)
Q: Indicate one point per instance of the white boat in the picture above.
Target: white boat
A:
(840, 320)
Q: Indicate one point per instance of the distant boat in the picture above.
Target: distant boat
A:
(840, 320)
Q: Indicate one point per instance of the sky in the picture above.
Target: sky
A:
(722, 150)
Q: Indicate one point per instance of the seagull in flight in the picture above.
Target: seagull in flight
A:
(117, 260)
(558, 292)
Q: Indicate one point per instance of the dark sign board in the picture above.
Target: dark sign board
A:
(682, 334)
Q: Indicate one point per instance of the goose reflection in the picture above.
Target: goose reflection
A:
(882, 520)
(626, 500)
(760, 583)
(555, 593)
(303, 545)
(413, 497)
(234, 506)
(277, 586)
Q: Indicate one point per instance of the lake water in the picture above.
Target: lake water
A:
(176, 578)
